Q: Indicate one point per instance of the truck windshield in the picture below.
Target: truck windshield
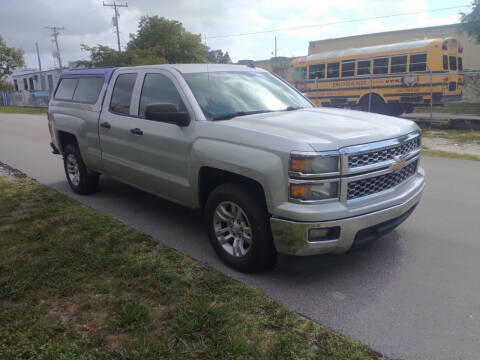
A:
(224, 95)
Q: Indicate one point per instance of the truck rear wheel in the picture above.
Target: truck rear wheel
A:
(81, 180)
(238, 228)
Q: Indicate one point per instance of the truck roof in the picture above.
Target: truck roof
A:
(183, 68)
(105, 72)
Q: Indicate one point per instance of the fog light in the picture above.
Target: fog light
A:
(324, 234)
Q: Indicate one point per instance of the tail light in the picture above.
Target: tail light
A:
(445, 79)
(460, 80)
(50, 130)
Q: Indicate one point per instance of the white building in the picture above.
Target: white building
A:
(31, 80)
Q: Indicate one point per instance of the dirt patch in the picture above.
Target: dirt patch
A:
(439, 144)
(10, 172)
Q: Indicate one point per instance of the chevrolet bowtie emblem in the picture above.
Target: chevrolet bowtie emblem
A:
(399, 164)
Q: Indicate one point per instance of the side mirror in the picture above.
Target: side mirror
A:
(167, 112)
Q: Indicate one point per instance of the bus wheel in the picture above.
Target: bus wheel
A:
(377, 104)
(408, 108)
(395, 109)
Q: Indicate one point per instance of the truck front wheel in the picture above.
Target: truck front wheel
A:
(81, 180)
(238, 227)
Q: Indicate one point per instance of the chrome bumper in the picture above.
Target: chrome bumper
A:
(291, 237)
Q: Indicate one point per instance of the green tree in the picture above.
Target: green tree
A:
(101, 55)
(218, 57)
(10, 58)
(159, 40)
(471, 21)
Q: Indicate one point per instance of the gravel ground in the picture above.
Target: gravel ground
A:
(439, 144)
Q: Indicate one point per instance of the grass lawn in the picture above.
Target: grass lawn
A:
(460, 136)
(452, 108)
(78, 285)
(22, 110)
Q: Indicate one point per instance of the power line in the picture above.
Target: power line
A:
(55, 34)
(115, 20)
(337, 22)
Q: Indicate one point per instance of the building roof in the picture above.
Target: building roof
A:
(402, 46)
(438, 27)
(26, 72)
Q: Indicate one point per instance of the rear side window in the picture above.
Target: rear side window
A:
(418, 62)
(122, 94)
(333, 69)
(300, 73)
(460, 64)
(65, 89)
(453, 63)
(348, 68)
(88, 89)
(399, 64)
(317, 71)
(157, 88)
(380, 66)
(363, 67)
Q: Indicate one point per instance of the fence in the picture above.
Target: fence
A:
(25, 98)
(427, 97)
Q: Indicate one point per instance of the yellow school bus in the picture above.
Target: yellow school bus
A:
(389, 79)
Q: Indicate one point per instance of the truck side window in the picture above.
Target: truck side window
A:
(65, 89)
(88, 89)
(122, 94)
(158, 88)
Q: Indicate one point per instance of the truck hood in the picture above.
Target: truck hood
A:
(325, 128)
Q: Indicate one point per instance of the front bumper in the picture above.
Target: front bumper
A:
(291, 237)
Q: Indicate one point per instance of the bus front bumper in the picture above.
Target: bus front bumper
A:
(451, 98)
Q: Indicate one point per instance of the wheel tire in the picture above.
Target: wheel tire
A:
(408, 108)
(395, 109)
(260, 254)
(81, 180)
(377, 104)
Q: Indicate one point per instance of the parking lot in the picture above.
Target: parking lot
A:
(414, 295)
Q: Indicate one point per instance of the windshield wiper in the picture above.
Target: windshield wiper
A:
(292, 108)
(239, 113)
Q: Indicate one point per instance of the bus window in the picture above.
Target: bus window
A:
(348, 68)
(300, 73)
(460, 64)
(445, 62)
(317, 71)
(363, 67)
(380, 66)
(418, 62)
(399, 64)
(453, 63)
(333, 69)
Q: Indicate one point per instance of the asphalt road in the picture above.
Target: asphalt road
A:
(414, 295)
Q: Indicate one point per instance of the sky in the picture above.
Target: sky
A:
(88, 22)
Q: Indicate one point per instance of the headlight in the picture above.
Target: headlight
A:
(314, 192)
(318, 163)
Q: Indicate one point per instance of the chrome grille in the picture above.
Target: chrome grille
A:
(372, 157)
(376, 184)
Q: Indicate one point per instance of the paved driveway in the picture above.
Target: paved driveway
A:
(414, 295)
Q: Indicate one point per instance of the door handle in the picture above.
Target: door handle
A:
(136, 131)
(105, 125)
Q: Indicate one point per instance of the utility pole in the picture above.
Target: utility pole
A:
(39, 66)
(115, 19)
(275, 45)
(55, 37)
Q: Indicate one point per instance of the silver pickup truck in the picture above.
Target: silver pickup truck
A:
(272, 173)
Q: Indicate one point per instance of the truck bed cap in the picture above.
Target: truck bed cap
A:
(105, 72)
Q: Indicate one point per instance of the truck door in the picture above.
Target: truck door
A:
(149, 154)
